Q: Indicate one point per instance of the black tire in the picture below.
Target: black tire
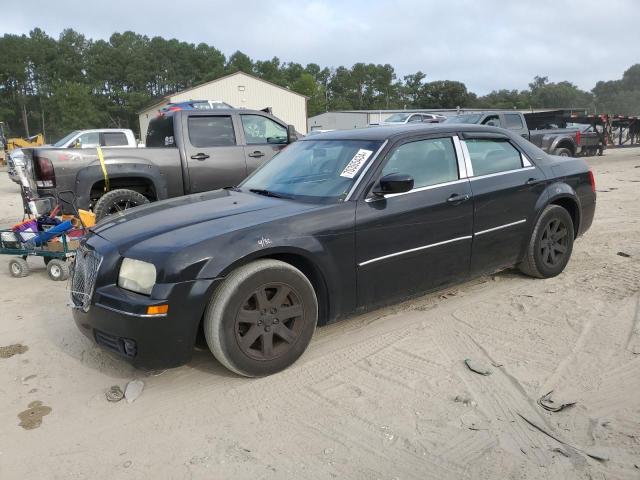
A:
(118, 201)
(18, 267)
(551, 244)
(58, 270)
(563, 152)
(244, 324)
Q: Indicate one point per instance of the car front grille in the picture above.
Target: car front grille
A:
(83, 280)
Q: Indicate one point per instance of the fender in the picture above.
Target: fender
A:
(563, 139)
(91, 174)
(552, 193)
(239, 249)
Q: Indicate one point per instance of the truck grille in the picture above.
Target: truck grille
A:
(83, 279)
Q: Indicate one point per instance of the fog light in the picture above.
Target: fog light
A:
(157, 310)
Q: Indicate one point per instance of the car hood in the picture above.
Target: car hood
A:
(155, 219)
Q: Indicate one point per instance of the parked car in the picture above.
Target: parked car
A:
(188, 151)
(336, 223)
(565, 142)
(404, 118)
(105, 137)
(195, 105)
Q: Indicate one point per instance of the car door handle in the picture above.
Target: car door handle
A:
(532, 181)
(256, 154)
(200, 156)
(455, 198)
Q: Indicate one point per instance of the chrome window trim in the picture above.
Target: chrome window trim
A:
(506, 172)
(419, 189)
(467, 158)
(462, 166)
(139, 315)
(500, 227)
(364, 172)
(424, 247)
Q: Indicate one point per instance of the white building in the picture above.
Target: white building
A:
(241, 91)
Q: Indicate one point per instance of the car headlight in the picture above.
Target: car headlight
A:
(137, 276)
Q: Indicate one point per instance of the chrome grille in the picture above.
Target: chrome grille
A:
(83, 279)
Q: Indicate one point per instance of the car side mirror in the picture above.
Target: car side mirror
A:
(292, 135)
(393, 183)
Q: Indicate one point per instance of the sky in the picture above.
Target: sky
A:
(487, 44)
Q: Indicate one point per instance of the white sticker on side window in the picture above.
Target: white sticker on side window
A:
(356, 163)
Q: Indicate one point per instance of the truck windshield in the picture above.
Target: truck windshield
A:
(319, 171)
(65, 139)
(468, 118)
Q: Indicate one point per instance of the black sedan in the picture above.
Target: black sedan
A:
(337, 223)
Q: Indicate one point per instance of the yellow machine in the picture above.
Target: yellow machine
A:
(7, 145)
(17, 142)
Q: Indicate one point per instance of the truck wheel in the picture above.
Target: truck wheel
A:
(563, 152)
(58, 270)
(118, 201)
(261, 318)
(551, 244)
(18, 267)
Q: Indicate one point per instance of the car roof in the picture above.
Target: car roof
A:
(389, 132)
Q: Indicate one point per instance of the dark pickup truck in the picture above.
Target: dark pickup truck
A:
(565, 142)
(186, 152)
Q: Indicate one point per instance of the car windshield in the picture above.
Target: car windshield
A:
(468, 118)
(397, 117)
(65, 139)
(320, 171)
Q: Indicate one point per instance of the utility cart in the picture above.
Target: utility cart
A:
(56, 255)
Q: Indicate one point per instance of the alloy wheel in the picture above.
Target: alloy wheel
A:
(554, 243)
(269, 322)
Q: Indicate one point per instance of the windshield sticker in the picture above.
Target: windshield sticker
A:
(356, 163)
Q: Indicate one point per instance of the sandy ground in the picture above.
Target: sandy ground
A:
(384, 395)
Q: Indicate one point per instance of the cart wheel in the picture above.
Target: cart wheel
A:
(58, 270)
(18, 267)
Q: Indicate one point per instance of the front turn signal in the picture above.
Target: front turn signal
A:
(157, 309)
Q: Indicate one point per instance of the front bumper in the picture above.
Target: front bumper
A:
(116, 319)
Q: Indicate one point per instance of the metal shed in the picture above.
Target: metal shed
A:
(241, 91)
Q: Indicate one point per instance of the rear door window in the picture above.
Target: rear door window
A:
(429, 161)
(114, 139)
(492, 156)
(513, 121)
(211, 131)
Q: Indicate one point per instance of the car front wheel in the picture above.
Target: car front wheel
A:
(550, 245)
(261, 318)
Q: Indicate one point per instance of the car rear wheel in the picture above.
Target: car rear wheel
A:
(551, 244)
(563, 152)
(118, 201)
(261, 318)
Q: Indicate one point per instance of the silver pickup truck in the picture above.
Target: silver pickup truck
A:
(566, 142)
(187, 151)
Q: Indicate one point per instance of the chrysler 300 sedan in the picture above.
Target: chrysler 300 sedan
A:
(336, 223)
